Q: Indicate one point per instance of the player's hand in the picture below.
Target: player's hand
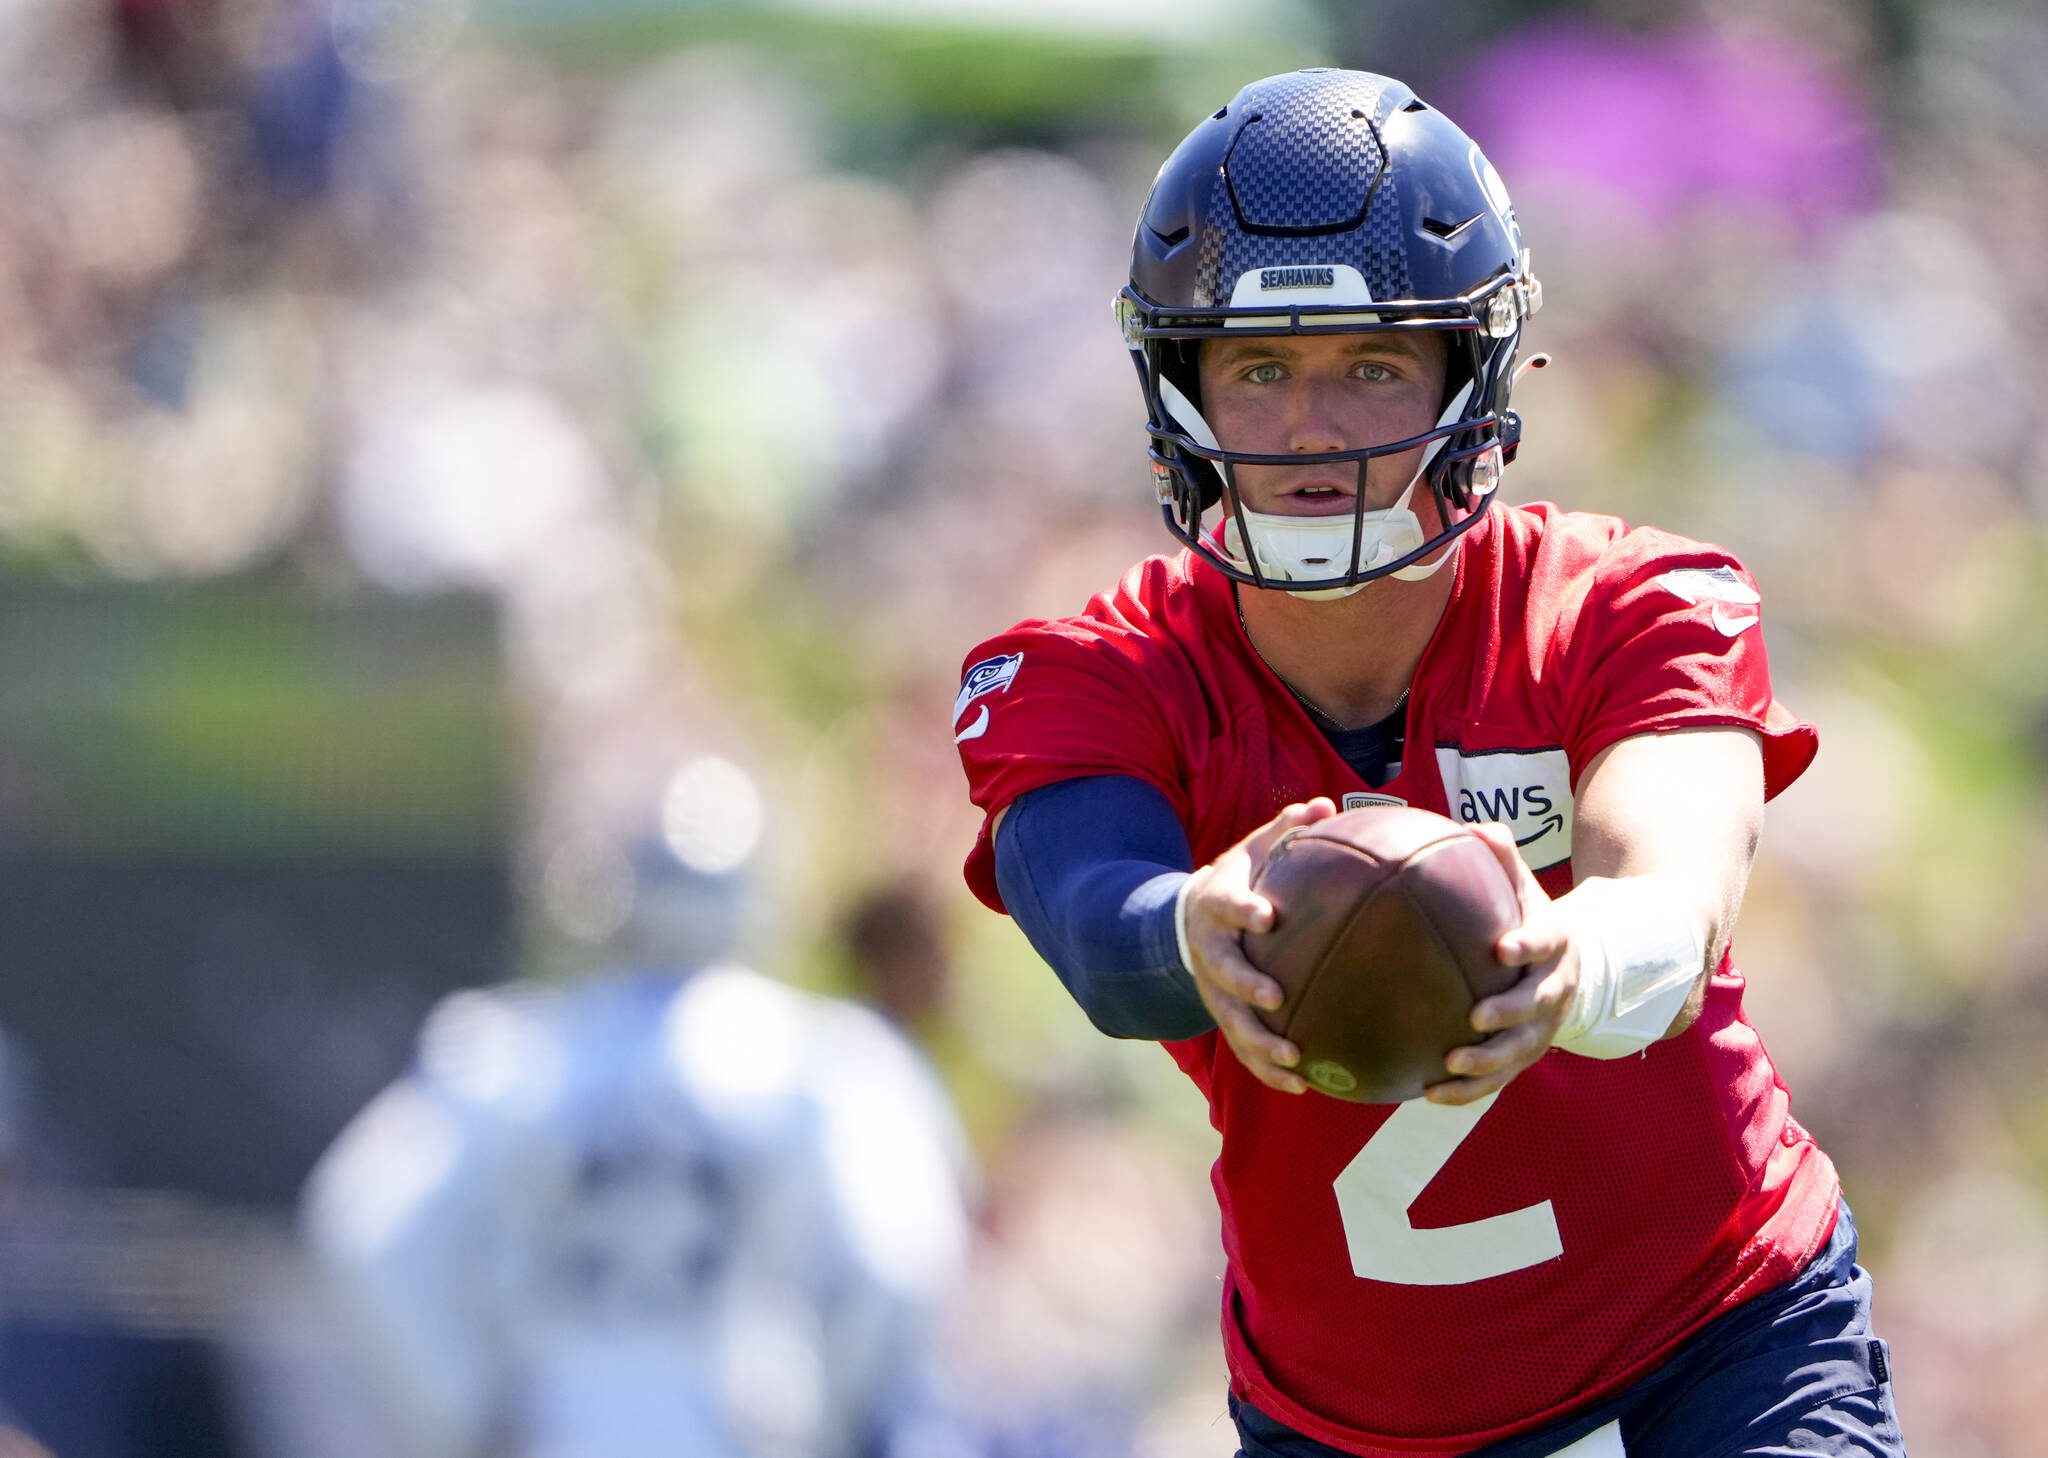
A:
(1220, 908)
(1522, 1021)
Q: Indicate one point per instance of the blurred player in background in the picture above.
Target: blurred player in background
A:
(677, 1209)
(896, 939)
(1602, 1232)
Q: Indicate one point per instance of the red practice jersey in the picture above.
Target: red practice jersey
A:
(1411, 1279)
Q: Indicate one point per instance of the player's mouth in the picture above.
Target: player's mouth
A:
(1317, 498)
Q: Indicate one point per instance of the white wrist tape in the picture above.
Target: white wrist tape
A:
(1180, 923)
(1641, 948)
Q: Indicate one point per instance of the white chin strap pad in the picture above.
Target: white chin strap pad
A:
(1451, 412)
(1418, 571)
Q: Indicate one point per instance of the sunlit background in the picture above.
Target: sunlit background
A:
(428, 426)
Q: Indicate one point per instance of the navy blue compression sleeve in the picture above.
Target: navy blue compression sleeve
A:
(1090, 868)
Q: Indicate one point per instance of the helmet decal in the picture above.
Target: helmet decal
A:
(1317, 283)
(1496, 194)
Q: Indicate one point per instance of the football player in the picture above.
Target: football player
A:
(1602, 1231)
(679, 1209)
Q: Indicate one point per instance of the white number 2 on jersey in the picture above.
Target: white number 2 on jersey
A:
(1375, 1191)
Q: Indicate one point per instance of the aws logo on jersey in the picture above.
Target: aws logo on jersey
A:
(984, 677)
(1527, 790)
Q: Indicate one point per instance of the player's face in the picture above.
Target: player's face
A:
(1312, 393)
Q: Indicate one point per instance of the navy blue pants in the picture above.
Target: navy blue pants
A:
(1793, 1373)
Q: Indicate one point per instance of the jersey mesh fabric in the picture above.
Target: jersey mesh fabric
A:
(1679, 1184)
(1500, 1356)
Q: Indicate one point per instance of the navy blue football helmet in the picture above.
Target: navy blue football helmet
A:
(1327, 201)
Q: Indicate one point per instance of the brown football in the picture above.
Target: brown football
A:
(1384, 925)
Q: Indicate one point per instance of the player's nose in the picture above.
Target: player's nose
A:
(1315, 423)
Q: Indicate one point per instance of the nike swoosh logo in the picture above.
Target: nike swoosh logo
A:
(975, 730)
(1730, 625)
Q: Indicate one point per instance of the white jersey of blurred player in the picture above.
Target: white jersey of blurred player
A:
(701, 1215)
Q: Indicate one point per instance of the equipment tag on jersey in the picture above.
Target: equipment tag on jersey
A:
(1527, 790)
(1359, 799)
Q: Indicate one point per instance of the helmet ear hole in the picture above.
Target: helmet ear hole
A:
(1453, 483)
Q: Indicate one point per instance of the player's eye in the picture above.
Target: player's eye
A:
(1375, 372)
(1265, 374)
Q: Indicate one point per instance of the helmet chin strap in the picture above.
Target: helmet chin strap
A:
(1303, 548)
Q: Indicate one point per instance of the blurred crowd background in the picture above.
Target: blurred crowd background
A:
(428, 426)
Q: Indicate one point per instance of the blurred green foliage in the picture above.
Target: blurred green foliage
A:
(251, 716)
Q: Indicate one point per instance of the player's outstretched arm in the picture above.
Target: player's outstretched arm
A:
(1096, 873)
(1217, 907)
(1665, 829)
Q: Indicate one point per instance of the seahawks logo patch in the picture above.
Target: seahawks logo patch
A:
(984, 677)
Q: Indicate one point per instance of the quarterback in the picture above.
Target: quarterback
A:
(1602, 1232)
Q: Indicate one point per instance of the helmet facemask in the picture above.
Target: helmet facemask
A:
(1323, 556)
